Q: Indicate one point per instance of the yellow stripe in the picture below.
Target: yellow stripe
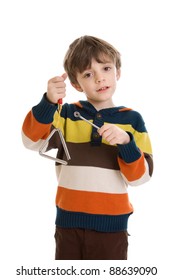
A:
(76, 131)
(58, 122)
(141, 138)
(80, 132)
(143, 142)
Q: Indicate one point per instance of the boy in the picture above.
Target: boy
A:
(92, 200)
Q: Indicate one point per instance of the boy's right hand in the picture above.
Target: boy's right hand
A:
(56, 88)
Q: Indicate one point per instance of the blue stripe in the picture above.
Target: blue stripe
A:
(44, 111)
(103, 223)
(110, 115)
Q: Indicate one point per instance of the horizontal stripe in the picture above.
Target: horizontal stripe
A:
(142, 139)
(143, 179)
(79, 131)
(84, 154)
(104, 223)
(133, 170)
(44, 111)
(149, 161)
(58, 121)
(29, 144)
(92, 179)
(109, 115)
(143, 142)
(35, 130)
(92, 202)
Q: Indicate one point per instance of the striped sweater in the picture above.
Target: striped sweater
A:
(92, 187)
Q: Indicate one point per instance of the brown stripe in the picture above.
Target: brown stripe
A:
(83, 154)
(149, 160)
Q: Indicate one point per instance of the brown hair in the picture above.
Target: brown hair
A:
(81, 52)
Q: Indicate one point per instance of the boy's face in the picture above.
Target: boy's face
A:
(99, 83)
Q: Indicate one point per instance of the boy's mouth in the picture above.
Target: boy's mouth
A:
(102, 89)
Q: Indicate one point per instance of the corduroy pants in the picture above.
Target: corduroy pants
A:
(81, 244)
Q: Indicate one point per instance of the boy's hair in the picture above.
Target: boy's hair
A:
(81, 52)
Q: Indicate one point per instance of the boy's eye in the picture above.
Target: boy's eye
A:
(107, 68)
(87, 75)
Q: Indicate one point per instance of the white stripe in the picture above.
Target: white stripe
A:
(92, 179)
(29, 144)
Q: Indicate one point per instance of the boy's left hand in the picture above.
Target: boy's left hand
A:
(113, 134)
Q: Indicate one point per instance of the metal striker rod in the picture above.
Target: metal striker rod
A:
(78, 115)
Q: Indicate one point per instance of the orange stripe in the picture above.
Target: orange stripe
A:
(124, 109)
(78, 104)
(134, 170)
(33, 129)
(92, 202)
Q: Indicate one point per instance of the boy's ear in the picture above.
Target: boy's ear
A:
(77, 87)
(118, 74)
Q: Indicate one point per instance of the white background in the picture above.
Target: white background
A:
(34, 38)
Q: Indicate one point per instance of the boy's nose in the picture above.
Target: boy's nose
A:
(99, 78)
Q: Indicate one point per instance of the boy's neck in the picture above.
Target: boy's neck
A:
(102, 105)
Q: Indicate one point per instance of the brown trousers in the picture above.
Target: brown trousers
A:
(81, 244)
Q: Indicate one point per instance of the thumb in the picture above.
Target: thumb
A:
(64, 76)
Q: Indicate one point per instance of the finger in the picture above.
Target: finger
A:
(113, 141)
(110, 137)
(56, 79)
(103, 129)
(64, 76)
(59, 85)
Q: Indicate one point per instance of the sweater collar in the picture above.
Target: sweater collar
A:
(87, 106)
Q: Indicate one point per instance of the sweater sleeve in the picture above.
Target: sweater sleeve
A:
(135, 158)
(37, 124)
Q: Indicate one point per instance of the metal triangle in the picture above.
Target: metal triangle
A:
(43, 148)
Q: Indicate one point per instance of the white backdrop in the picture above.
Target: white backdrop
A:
(34, 38)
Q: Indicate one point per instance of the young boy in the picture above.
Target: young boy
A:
(92, 200)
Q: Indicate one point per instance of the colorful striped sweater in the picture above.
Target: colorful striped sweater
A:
(92, 187)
